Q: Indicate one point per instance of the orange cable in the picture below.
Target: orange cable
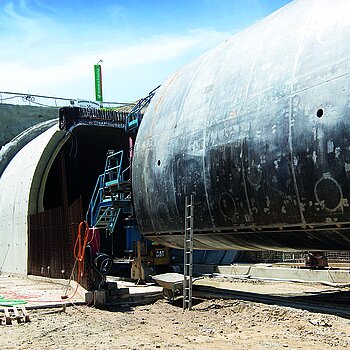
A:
(79, 251)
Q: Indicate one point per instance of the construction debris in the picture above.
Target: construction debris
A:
(20, 314)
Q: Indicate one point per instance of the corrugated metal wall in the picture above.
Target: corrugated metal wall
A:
(51, 241)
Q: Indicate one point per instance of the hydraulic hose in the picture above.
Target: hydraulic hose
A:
(11, 302)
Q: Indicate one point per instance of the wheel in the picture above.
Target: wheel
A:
(168, 295)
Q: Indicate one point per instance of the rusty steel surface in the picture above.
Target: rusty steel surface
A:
(52, 237)
(70, 117)
(258, 129)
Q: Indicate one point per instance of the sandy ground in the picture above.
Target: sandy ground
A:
(212, 324)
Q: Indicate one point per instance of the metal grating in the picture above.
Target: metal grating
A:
(293, 257)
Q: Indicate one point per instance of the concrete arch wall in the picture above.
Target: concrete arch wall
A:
(20, 185)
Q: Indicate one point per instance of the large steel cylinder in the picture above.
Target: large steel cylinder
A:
(258, 129)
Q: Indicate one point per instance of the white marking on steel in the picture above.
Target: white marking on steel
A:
(330, 146)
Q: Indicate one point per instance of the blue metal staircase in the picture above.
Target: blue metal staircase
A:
(112, 194)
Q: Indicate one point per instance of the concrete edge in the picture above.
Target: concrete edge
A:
(339, 277)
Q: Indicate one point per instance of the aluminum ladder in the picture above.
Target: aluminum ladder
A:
(188, 253)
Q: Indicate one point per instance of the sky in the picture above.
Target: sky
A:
(50, 47)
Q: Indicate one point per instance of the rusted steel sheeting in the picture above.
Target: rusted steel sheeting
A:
(69, 117)
(51, 241)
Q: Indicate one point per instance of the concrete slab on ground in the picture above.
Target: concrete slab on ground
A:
(265, 271)
(137, 294)
(39, 292)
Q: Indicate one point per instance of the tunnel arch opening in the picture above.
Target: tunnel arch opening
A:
(81, 160)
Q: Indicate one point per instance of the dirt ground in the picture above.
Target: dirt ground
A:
(212, 324)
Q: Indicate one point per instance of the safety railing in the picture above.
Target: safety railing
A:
(135, 116)
(113, 168)
(96, 198)
(17, 98)
(125, 174)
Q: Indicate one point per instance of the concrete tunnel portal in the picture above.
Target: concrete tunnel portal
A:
(53, 172)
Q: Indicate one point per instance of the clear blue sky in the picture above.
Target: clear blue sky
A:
(50, 47)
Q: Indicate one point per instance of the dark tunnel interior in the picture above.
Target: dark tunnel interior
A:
(76, 169)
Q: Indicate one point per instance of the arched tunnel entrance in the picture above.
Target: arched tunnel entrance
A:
(65, 196)
(84, 157)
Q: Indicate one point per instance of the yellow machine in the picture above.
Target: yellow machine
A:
(148, 255)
